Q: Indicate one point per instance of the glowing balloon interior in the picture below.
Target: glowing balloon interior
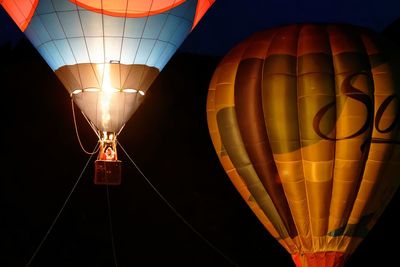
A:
(305, 121)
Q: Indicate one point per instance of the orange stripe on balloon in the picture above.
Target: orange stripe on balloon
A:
(21, 11)
(202, 7)
(130, 9)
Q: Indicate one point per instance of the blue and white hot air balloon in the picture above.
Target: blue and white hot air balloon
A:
(107, 53)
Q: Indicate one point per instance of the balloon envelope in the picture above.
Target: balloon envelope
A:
(107, 53)
(305, 121)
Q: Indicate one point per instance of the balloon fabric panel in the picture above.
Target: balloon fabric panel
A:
(254, 134)
(219, 98)
(128, 8)
(202, 8)
(64, 34)
(107, 56)
(21, 11)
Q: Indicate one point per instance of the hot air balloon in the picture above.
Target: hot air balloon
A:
(305, 122)
(107, 54)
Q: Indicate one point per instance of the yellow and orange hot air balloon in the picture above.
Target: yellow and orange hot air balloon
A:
(305, 121)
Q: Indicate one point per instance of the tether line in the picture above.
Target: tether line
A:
(177, 213)
(60, 211)
(111, 227)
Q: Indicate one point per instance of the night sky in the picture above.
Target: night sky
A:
(168, 138)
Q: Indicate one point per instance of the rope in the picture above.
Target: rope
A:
(96, 132)
(111, 228)
(177, 213)
(77, 133)
(59, 212)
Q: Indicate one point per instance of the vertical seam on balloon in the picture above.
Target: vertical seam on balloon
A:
(155, 42)
(42, 43)
(265, 220)
(357, 186)
(69, 44)
(261, 207)
(278, 223)
(104, 63)
(341, 237)
(326, 32)
(299, 29)
(140, 41)
(104, 41)
(87, 48)
(51, 39)
(369, 139)
(271, 36)
(77, 64)
(122, 45)
(119, 64)
(334, 147)
(167, 42)
(364, 158)
(235, 68)
(30, 15)
(176, 29)
(297, 229)
(290, 209)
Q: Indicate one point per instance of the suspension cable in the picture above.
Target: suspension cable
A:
(177, 213)
(60, 211)
(96, 132)
(77, 133)
(111, 227)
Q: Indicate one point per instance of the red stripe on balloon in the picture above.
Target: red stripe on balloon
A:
(21, 11)
(130, 9)
(202, 7)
